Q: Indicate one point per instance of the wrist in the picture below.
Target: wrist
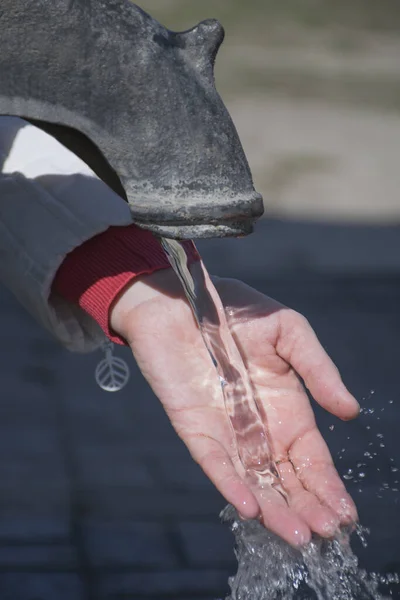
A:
(145, 288)
(103, 270)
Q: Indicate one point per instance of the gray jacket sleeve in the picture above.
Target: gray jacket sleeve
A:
(50, 203)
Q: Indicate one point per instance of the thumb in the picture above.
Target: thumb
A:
(299, 346)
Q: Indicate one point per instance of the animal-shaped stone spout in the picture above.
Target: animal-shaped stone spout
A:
(138, 103)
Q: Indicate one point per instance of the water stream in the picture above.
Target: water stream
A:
(251, 435)
(268, 568)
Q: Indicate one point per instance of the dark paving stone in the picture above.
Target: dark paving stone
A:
(40, 586)
(37, 504)
(380, 512)
(133, 417)
(133, 503)
(32, 443)
(112, 465)
(16, 389)
(167, 584)
(31, 557)
(279, 246)
(127, 544)
(179, 471)
(207, 544)
(30, 528)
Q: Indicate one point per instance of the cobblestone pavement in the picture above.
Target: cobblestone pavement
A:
(99, 500)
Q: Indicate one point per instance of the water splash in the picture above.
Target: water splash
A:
(269, 569)
(369, 465)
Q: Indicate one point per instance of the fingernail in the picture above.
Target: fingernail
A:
(301, 538)
(330, 528)
(347, 511)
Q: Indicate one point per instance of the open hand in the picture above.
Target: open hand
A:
(278, 345)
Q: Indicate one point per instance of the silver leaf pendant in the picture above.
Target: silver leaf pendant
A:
(112, 373)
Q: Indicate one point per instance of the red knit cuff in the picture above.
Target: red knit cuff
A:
(93, 274)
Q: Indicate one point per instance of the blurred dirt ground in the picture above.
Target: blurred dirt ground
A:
(314, 90)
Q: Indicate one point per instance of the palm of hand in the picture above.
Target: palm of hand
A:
(275, 343)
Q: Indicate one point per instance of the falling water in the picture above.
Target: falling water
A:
(268, 568)
(252, 439)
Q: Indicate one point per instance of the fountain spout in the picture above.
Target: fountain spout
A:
(138, 103)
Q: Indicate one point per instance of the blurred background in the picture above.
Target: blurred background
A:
(99, 500)
(314, 89)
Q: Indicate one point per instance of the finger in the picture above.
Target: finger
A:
(299, 346)
(279, 518)
(313, 465)
(331, 491)
(321, 519)
(218, 467)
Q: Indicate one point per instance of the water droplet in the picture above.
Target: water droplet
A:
(394, 469)
(349, 474)
(223, 382)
